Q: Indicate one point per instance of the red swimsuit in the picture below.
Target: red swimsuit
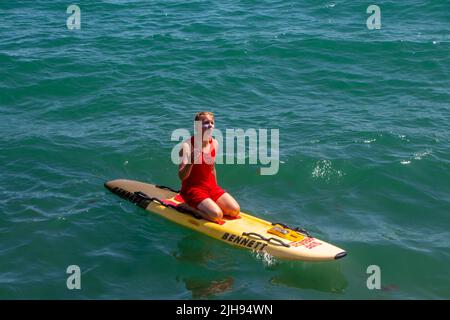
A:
(201, 182)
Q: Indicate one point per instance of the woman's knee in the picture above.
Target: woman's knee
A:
(233, 210)
(216, 213)
(211, 209)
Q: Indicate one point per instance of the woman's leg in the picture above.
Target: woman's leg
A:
(229, 206)
(210, 210)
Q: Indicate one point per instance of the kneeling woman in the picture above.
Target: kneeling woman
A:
(199, 187)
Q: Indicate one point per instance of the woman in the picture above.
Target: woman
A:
(197, 172)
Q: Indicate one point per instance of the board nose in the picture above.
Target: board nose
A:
(340, 255)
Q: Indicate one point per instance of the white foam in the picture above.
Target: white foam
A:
(266, 258)
(420, 155)
(324, 170)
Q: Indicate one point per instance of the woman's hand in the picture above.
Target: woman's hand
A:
(187, 160)
(196, 156)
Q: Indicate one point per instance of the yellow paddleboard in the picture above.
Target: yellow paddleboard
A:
(248, 232)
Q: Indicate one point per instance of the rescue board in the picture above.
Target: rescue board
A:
(248, 231)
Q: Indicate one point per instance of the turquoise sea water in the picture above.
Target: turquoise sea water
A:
(363, 117)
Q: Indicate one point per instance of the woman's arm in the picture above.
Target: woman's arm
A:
(214, 173)
(216, 147)
(185, 167)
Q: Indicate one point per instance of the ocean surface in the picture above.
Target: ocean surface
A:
(363, 118)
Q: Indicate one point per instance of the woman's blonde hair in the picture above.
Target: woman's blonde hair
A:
(198, 115)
